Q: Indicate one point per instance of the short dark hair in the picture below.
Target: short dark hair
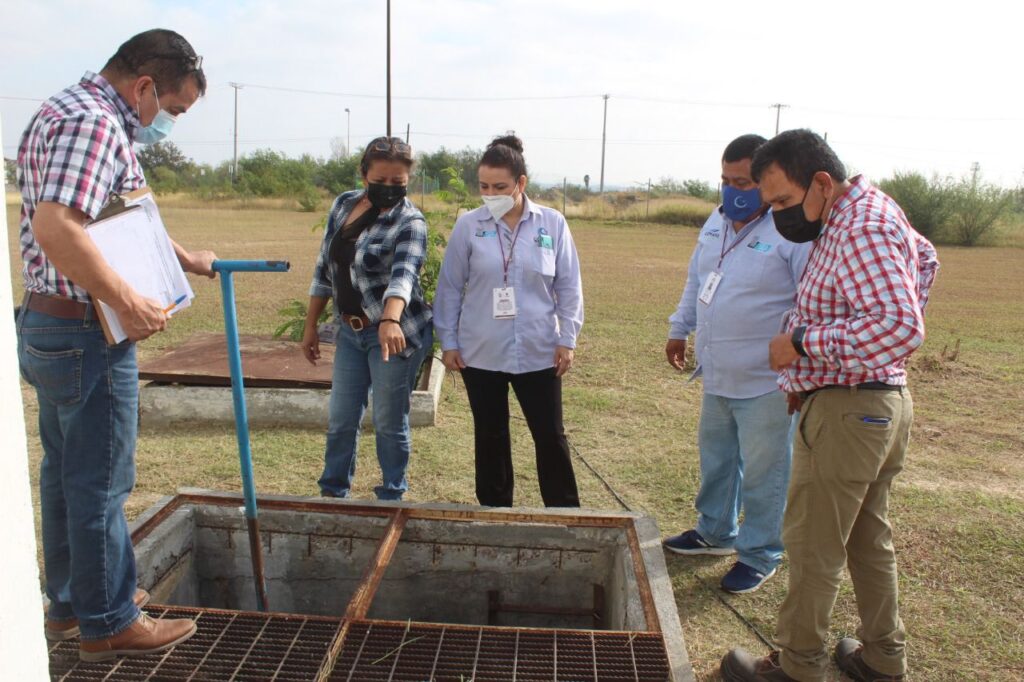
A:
(505, 152)
(164, 56)
(800, 154)
(743, 147)
(385, 149)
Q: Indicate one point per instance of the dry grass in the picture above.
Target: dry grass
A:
(958, 509)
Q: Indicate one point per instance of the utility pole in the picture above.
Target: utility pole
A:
(647, 216)
(407, 126)
(348, 132)
(565, 182)
(389, 69)
(778, 110)
(234, 164)
(604, 140)
(975, 169)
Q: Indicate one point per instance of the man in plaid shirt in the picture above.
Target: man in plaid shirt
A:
(842, 360)
(74, 157)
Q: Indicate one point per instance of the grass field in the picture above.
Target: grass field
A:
(958, 508)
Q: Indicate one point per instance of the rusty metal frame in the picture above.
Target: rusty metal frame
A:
(362, 599)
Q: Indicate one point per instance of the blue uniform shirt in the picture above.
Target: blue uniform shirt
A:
(760, 272)
(545, 273)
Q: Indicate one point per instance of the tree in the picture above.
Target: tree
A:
(976, 210)
(926, 203)
(163, 155)
(339, 150)
(10, 172)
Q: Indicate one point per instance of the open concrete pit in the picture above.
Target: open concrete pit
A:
(535, 594)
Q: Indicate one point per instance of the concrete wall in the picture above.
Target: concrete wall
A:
(22, 646)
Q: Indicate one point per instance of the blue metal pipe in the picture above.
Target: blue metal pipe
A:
(226, 268)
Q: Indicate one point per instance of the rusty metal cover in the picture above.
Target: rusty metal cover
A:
(266, 363)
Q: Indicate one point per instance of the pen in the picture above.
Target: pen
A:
(172, 306)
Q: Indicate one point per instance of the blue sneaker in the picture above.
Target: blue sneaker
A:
(691, 542)
(742, 579)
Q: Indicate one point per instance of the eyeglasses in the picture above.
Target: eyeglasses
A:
(388, 144)
(193, 63)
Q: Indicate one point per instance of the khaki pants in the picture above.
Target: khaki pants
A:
(849, 444)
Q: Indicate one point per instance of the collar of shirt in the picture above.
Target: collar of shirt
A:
(129, 119)
(858, 188)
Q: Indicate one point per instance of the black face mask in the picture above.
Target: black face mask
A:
(792, 223)
(382, 197)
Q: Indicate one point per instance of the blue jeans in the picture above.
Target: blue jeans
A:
(357, 367)
(88, 414)
(746, 447)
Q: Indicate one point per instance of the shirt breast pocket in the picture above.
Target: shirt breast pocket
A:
(543, 261)
(376, 256)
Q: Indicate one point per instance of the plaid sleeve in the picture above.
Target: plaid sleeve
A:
(82, 158)
(410, 250)
(877, 280)
(927, 268)
(323, 285)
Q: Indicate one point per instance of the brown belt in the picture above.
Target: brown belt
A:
(357, 322)
(57, 306)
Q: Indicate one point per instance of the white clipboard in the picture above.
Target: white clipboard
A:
(133, 240)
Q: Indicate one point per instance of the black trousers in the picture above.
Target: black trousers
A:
(540, 396)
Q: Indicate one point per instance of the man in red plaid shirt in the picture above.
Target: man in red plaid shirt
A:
(842, 360)
(74, 157)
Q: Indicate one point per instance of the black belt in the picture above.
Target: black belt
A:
(866, 386)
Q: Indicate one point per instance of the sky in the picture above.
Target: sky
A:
(896, 86)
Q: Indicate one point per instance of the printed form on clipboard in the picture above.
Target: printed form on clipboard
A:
(132, 238)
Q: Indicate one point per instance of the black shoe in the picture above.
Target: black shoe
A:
(741, 666)
(851, 663)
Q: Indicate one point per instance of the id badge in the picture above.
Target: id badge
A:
(710, 287)
(504, 303)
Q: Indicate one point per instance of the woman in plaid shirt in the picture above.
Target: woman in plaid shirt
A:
(369, 263)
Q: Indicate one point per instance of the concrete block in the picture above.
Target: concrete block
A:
(163, 405)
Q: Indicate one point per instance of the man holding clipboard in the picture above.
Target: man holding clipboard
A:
(74, 158)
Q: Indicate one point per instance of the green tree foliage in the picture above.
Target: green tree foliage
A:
(926, 203)
(700, 189)
(977, 208)
(11, 172)
(434, 165)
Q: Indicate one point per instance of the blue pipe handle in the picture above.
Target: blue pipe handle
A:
(251, 266)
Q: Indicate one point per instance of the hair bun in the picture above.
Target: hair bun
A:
(510, 141)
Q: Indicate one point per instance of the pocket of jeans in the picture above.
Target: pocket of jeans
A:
(57, 375)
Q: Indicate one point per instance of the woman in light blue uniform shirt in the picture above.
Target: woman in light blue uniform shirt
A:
(508, 309)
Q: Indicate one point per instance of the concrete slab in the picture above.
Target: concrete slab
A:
(164, 405)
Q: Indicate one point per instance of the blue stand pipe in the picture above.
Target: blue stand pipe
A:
(227, 268)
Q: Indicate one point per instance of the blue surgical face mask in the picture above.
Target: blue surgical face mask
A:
(738, 204)
(161, 126)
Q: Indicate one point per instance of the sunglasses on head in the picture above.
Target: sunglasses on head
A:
(388, 144)
(193, 63)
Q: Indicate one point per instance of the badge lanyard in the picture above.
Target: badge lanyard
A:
(504, 302)
(501, 245)
(740, 236)
(707, 292)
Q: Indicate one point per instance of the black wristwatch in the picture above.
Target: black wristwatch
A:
(798, 341)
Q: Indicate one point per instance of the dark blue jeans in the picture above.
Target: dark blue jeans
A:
(88, 415)
(358, 365)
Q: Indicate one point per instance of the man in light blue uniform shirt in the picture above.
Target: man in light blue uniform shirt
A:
(742, 279)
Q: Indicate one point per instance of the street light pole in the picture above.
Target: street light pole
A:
(234, 163)
(348, 132)
(389, 68)
(604, 139)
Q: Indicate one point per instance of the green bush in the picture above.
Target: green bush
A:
(309, 199)
(977, 208)
(683, 214)
(928, 204)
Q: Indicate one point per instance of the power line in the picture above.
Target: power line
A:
(418, 97)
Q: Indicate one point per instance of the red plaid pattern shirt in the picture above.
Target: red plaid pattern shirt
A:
(77, 151)
(862, 296)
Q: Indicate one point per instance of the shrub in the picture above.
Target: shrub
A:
(927, 204)
(976, 210)
(309, 199)
(682, 214)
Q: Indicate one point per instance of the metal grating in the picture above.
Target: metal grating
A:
(228, 645)
(415, 652)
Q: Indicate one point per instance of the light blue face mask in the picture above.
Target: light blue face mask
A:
(161, 126)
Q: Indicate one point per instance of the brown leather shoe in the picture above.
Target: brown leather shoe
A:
(144, 636)
(740, 665)
(851, 663)
(62, 630)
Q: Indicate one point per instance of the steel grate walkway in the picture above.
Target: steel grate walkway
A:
(415, 652)
(228, 645)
